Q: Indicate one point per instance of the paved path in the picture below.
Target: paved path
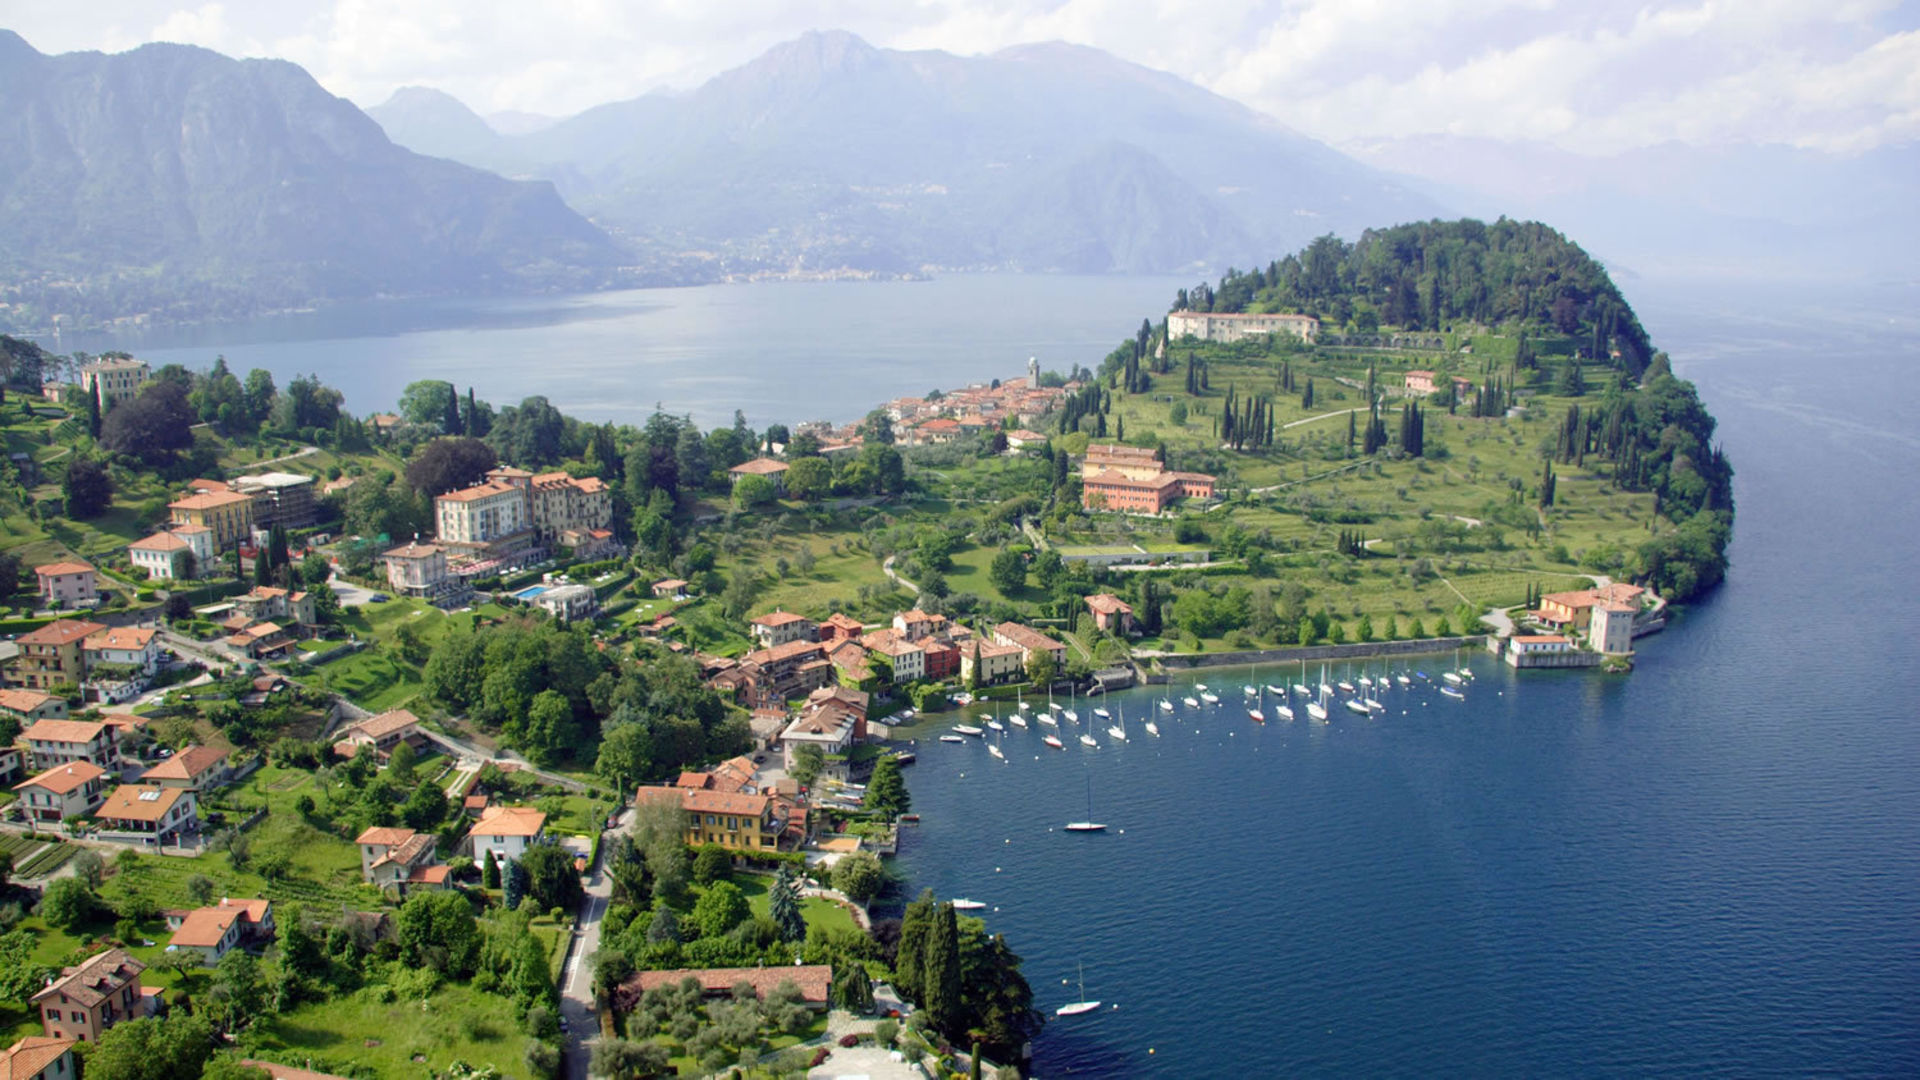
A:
(1320, 416)
(897, 579)
(576, 974)
(304, 451)
(461, 748)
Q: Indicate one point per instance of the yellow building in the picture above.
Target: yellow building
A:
(739, 822)
(228, 515)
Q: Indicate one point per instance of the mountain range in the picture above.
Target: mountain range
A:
(173, 181)
(828, 153)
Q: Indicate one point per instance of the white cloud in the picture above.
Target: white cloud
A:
(1587, 74)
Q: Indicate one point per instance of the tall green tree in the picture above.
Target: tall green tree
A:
(940, 975)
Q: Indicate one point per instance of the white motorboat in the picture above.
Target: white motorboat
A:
(968, 729)
(1452, 693)
(1083, 1005)
(1089, 825)
(951, 738)
(961, 903)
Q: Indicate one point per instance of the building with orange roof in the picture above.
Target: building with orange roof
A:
(563, 504)
(150, 810)
(40, 1057)
(68, 584)
(184, 551)
(1133, 480)
(120, 661)
(1029, 641)
(814, 981)
(259, 640)
(840, 627)
(216, 930)
(506, 832)
(59, 742)
(63, 792)
(91, 996)
(379, 734)
(669, 587)
(194, 768)
(1110, 613)
(767, 468)
(281, 605)
(780, 627)
(489, 516)
(417, 569)
(396, 859)
(738, 821)
(51, 655)
(990, 663)
(227, 515)
(27, 706)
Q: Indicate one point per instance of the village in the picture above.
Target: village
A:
(243, 723)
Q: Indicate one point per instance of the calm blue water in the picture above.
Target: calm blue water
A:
(1709, 868)
(781, 352)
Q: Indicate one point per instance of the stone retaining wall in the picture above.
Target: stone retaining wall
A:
(1351, 651)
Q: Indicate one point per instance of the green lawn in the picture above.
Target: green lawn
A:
(818, 912)
(402, 1039)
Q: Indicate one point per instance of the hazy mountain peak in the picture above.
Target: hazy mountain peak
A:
(433, 122)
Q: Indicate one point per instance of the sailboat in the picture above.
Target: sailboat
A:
(1318, 709)
(1355, 706)
(1083, 1005)
(1345, 685)
(1326, 690)
(995, 725)
(1301, 686)
(1153, 728)
(1053, 741)
(1072, 717)
(1403, 680)
(1017, 720)
(1453, 677)
(1257, 714)
(1210, 697)
(1191, 701)
(1166, 704)
(1285, 711)
(1119, 731)
(1452, 693)
(1089, 825)
(1103, 714)
(1086, 739)
(994, 749)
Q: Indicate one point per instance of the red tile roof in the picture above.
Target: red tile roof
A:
(58, 568)
(61, 632)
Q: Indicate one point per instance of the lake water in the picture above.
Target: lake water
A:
(781, 352)
(1711, 867)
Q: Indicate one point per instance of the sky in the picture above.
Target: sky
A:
(1593, 76)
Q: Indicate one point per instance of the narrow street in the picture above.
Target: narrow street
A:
(576, 975)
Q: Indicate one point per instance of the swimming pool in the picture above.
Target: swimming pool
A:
(526, 595)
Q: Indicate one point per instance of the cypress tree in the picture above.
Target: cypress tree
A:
(1120, 429)
(1306, 396)
(910, 958)
(940, 971)
(1351, 430)
(1546, 486)
(452, 421)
